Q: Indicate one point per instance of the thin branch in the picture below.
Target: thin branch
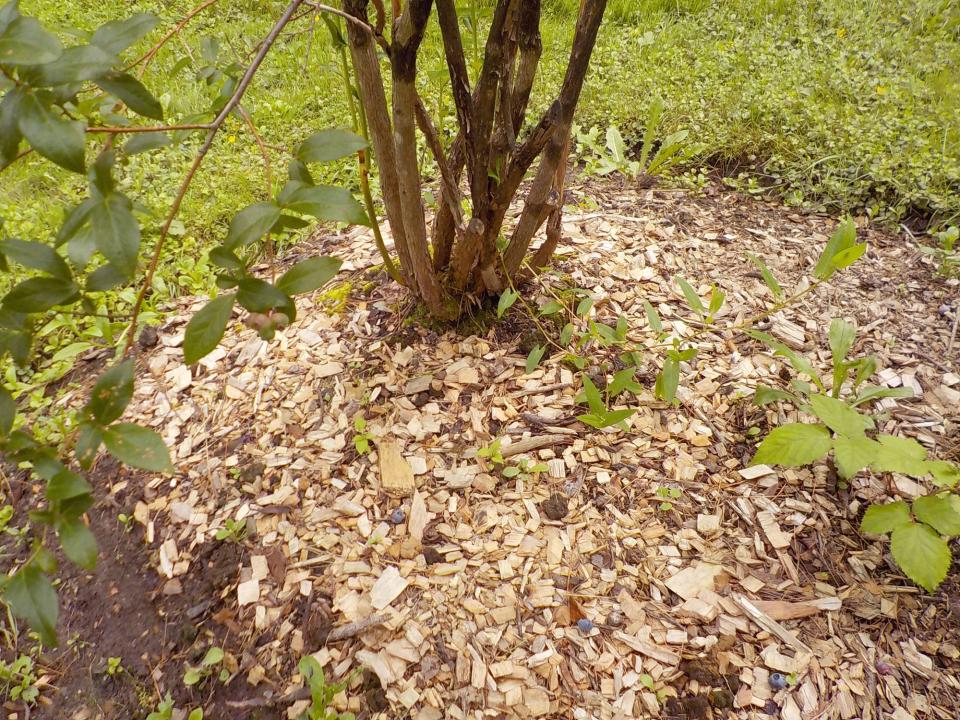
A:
(148, 56)
(147, 129)
(198, 160)
(347, 16)
(450, 192)
(456, 62)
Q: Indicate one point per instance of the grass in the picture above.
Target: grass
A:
(844, 106)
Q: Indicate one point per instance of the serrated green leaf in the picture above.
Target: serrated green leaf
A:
(79, 543)
(854, 453)
(25, 42)
(329, 145)
(944, 474)
(60, 141)
(693, 299)
(39, 294)
(922, 554)
(251, 224)
(900, 455)
(941, 512)
(206, 328)
(112, 393)
(117, 35)
(794, 445)
(32, 597)
(132, 92)
(883, 519)
(137, 446)
(534, 358)
(38, 256)
(768, 277)
(838, 416)
(308, 275)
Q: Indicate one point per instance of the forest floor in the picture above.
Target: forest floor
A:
(700, 575)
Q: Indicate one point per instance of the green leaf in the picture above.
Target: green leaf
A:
(843, 238)
(583, 307)
(941, 512)
(668, 380)
(653, 317)
(838, 416)
(883, 519)
(132, 92)
(693, 299)
(797, 362)
(593, 397)
(251, 224)
(206, 328)
(606, 418)
(39, 294)
(717, 296)
(944, 474)
(9, 128)
(623, 380)
(137, 446)
(507, 299)
(551, 307)
(105, 277)
(67, 484)
(308, 275)
(534, 358)
(841, 335)
(25, 42)
(764, 395)
(871, 392)
(900, 455)
(8, 411)
(32, 597)
(794, 445)
(116, 232)
(58, 140)
(89, 440)
(854, 453)
(77, 64)
(38, 256)
(260, 296)
(767, 276)
(112, 393)
(325, 202)
(144, 142)
(226, 258)
(78, 543)
(117, 35)
(214, 655)
(848, 257)
(329, 145)
(922, 554)
(191, 677)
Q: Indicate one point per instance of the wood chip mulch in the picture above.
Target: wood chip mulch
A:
(576, 592)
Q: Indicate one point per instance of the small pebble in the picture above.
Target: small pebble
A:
(398, 516)
(778, 681)
(615, 618)
(585, 626)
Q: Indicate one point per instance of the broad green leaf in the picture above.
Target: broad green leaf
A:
(794, 445)
(653, 317)
(25, 42)
(308, 275)
(551, 307)
(325, 202)
(623, 380)
(206, 328)
(112, 393)
(593, 397)
(583, 307)
(900, 455)
(81, 63)
(668, 380)
(506, 301)
(329, 145)
(57, 139)
(116, 232)
(717, 296)
(767, 276)
(922, 554)
(213, 656)
(693, 299)
(39, 294)
(797, 362)
(144, 142)
(132, 92)
(853, 453)
(75, 220)
(883, 519)
(764, 395)
(10, 135)
(871, 392)
(89, 440)
(78, 543)
(841, 336)
(843, 238)
(137, 446)
(944, 474)
(32, 597)
(941, 512)
(226, 258)
(534, 358)
(251, 224)
(260, 296)
(8, 411)
(566, 334)
(849, 256)
(191, 677)
(839, 417)
(38, 256)
(67, 484)
(105, 277)
(117, 35)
